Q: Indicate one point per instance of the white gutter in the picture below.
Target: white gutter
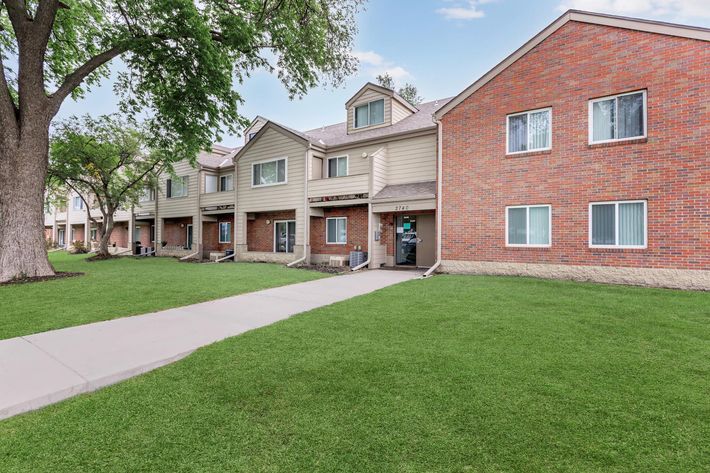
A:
(306, 212)
(189, 256)
(219, 260)
(369, 239)
(439, 175)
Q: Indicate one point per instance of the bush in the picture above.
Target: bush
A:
(50, 244)
(78, 247)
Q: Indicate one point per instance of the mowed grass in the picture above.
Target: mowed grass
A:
(128, 286)
(450, 374)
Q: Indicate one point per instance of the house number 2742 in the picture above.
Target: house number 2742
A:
(401, 207)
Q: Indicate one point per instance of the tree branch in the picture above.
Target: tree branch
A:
(73, 80)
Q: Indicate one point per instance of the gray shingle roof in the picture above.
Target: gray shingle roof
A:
(403, 191)
(336, 135)
(217, 158)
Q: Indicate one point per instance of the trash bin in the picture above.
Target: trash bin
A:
(137, 250)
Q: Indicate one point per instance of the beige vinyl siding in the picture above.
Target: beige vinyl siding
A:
(379, 170)
(254, 128)
(399, 111)
(273, 145)
(179, 206)
(368, 96)
(357, 184)
(356, 163)
(219, 197)
(411, 160)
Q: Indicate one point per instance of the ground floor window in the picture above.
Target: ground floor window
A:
(336, 232)
(284, 236)
(225, 232)
(620, 224)
(528, 225)
(93, 234)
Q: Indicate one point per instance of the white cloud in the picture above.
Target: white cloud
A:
(369, 57)
(373, 64)
(661, 9)
(468, 10)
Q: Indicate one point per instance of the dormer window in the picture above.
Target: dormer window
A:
(369, 114)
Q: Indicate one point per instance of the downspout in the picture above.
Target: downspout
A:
(369, 239)
(439, 176)
(306, 211)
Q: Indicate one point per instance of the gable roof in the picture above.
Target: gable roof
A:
(295, 134)
(218, 157)
(659, 27)
(382, 90)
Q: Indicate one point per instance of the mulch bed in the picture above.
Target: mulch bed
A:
(58, 275)
(324, 268)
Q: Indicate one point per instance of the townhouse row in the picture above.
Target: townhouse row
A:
(585, 154)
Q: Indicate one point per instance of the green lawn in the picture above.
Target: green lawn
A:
(128, 286)
(450, 374)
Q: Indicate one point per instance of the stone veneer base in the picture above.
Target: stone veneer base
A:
(653, 277)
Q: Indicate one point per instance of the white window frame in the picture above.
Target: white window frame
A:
(229, 233)
(274, 233)
(185, 180)
(616, 224)
(527, 112)
(219, 183)
(527, 226)
(355, 107)
(76, 199)
(207, 175)
(327, 242)
(590, 118)
(347, 165)
(264, 161)
(151, 195)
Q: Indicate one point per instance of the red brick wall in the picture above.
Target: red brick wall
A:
(176, 235)
(47, 233)
(260, 236)
(77, 233)
(210, 235)
(671, 169)
(119, 235)
(356, 231)
(144, 232)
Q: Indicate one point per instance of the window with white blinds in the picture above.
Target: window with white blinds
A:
(620, 224)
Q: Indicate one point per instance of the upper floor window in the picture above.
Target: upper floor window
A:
(336, 232)
(268, 173)
(176, 187)
(210, 183)
(529, 131)
(77, 203)
(338, 166)
(226, 183)
(371, 113)
(620, 224)
(618, 117)
(528, 225)
(148, 195)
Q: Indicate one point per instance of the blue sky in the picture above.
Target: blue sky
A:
(441, 46)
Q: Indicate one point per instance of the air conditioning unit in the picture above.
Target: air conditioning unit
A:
(336, 261)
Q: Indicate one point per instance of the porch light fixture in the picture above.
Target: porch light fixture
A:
(268, 222)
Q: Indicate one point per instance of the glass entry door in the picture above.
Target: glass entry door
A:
(406, 240)
(284, 236)
(188, 243)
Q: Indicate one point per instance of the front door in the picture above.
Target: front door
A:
(284, 236)
(426, 240)
(188, 243)
(60, 237)
(406, 240)
(415, 240)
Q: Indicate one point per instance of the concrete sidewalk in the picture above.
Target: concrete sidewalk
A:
(42, 369)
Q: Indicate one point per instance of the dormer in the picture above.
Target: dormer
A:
(254, 128)
(374, 106)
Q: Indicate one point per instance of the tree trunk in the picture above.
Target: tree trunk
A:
(23, 169)
(107, 228)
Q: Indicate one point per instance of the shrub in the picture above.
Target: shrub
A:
(78, 247)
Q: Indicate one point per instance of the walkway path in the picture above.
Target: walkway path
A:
(42, 369)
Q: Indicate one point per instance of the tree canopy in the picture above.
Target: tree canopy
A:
(408, 92)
